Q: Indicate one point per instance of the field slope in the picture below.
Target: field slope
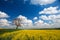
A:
(30, 35)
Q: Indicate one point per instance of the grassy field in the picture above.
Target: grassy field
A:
(12, 34)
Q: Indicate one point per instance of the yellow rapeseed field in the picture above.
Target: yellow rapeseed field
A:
(31, 35)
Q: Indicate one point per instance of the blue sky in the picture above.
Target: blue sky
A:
(15, 8)
(18, 7)
(34, 10)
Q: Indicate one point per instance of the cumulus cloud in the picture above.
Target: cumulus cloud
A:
(4, 22)
(38, 23)
(42, 2)
(3, 15)
(53, 17)
(44, 17)
(50, 10)
(55, 21)
(26, 23)
(50, 17)
(41, 24)
(35, 18)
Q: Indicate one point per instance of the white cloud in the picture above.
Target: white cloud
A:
(28, 24)
(25, 22)
(53, 17)
(52, 20)
(4, 22)
(22, 17)
(50, 17)
(58, 16)
(50, 10)
(35, 18)
(44, 17)
(3, 15)
(56, 24)
(40, 23)
(42, 2)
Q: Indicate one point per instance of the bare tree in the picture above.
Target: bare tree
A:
(17, 22)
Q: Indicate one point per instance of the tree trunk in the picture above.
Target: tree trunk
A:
(17, 27)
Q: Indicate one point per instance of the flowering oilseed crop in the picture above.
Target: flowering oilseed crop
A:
(31, 35)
